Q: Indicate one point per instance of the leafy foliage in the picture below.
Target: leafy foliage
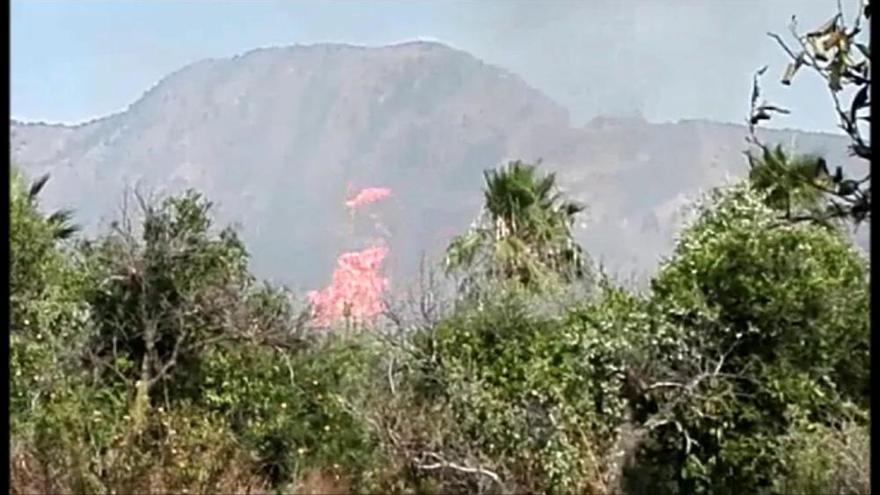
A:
(538, 396)
(524, 233)
(294, 410)
(840, 55)
(160, 301)
(775, 286)
(768, 320)
(752, 344)
(791, 183)
(42, 280)
(827, 458)
(47, 313)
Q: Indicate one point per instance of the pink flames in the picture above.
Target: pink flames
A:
(356, 288)
(367, 196)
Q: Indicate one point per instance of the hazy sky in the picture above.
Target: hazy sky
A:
(668, 59)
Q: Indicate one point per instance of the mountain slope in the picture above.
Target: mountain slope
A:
(275, 137)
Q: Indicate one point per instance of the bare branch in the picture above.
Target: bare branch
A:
(391, 377)
(660, 385)
(169, 364)
(440, 463)
(784, 46)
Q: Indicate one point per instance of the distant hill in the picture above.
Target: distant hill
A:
(275, 136)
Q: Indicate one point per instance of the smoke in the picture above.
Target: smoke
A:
(665, 59)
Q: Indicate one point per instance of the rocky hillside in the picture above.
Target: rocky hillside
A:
(276, 136)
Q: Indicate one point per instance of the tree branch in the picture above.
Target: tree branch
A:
(440, 463)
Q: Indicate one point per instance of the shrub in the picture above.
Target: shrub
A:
(766, 317)
(47, 313)
(296, 410)
(86, 442)
(534, 397)
(827, 458)
(164, 294)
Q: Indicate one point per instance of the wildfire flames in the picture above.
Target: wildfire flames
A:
(356, 288)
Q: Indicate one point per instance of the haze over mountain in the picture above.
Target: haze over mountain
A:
(276, 136)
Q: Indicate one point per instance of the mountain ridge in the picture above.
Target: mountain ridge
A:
(276, 134)
(353, 46)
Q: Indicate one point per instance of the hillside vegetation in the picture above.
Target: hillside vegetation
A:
(148, 359)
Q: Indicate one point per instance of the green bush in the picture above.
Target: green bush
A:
(744, 369)
(86, 442)
(793, 293)
(827, 458)
(535, 396)
(43, 284)
(162, 294)
(296, 410)
(74, 435)
(766, 317)
(47, 313)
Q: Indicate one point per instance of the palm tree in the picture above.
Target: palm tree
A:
(793, 184)
(59, 221)
(524, 233)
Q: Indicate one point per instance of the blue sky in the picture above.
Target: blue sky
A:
(73, 60)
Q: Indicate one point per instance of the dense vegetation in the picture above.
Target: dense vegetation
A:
(149, 360)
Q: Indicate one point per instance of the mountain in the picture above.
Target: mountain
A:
(276, 136)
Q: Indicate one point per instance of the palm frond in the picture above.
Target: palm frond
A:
(525, 232)
(36, 187)
(61, 226)
(65, 232)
